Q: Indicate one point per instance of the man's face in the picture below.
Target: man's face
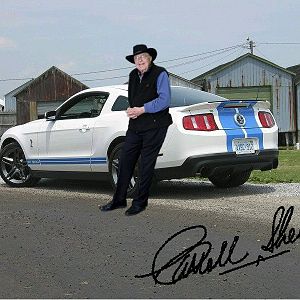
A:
(142, 61)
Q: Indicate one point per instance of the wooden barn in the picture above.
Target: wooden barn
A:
(45, 93)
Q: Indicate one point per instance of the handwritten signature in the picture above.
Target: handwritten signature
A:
(199, 259)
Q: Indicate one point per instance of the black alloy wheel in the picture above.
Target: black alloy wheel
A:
(13, 167)
(229, 178)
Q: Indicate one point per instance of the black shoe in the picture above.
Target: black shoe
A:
(133, 210)
(112, 205)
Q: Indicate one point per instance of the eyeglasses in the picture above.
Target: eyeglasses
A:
(141, 56)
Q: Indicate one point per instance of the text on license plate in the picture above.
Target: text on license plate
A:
(244, 146)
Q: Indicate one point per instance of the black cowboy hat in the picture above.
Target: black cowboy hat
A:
(137, 49)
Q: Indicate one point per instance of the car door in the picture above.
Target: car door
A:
(65, 142)
(112, 125)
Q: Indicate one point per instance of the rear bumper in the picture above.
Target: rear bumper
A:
(207, 165)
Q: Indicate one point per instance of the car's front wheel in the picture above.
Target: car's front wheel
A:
(114, 162)
(13, 167)
(227, 179)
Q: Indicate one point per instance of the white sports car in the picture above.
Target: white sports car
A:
(211, 136)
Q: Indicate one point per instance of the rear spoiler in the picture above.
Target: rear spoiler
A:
(261, 104)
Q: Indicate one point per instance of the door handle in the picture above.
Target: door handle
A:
(84, 128)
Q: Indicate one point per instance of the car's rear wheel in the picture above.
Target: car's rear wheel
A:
(13, 167)
(114, 162)
(227, 179)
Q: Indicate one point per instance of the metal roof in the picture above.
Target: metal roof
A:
(295, 69)
(18, 89)
(223, 66)
(183, 79)
(53, 68)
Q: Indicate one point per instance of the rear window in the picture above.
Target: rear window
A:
(120, 104)
(181, 96)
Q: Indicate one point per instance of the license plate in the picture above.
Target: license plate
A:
(244, 146)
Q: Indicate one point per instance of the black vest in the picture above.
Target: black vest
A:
(141, 92)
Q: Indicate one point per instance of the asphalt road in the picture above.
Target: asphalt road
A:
(55, 243)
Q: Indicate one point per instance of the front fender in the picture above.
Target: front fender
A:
(25, 135)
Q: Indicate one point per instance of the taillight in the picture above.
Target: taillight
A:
(266, 119)
(204, 122)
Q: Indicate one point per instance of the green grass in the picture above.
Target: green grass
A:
(288, 169)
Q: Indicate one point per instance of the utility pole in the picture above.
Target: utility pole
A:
(251, 45)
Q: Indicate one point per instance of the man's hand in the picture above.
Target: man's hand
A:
(135, 112)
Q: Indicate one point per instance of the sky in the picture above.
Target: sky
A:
(86, 36)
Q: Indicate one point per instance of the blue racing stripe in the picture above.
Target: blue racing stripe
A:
(232, 130)
(67, 161)
(98, 160)
(252, 128)
(33, 162)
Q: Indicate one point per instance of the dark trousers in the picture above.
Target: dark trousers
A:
(147, 145)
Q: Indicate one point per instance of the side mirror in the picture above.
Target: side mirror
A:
(50, 115)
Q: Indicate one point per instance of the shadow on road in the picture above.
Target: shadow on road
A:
(187, 189)
(169, 189)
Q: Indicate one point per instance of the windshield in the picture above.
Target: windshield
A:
(182, 96)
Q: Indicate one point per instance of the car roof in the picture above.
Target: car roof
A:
(108, 88)
(124, 87)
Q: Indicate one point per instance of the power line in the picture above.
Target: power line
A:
(212, 62)
(106, 78)
(262, 54)
(102, 71)
(126, 68)
(213, 53)
(279, 43)
(162, 61)
(199, 59)
(15, 79)
(174, 66)
(203, 53)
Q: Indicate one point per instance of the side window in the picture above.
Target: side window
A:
(120, 104)
(85, 106)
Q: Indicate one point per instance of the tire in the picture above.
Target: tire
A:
(113, 167)
(228, 179)
(13, 167)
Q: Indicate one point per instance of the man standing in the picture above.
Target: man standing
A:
(149, 97)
